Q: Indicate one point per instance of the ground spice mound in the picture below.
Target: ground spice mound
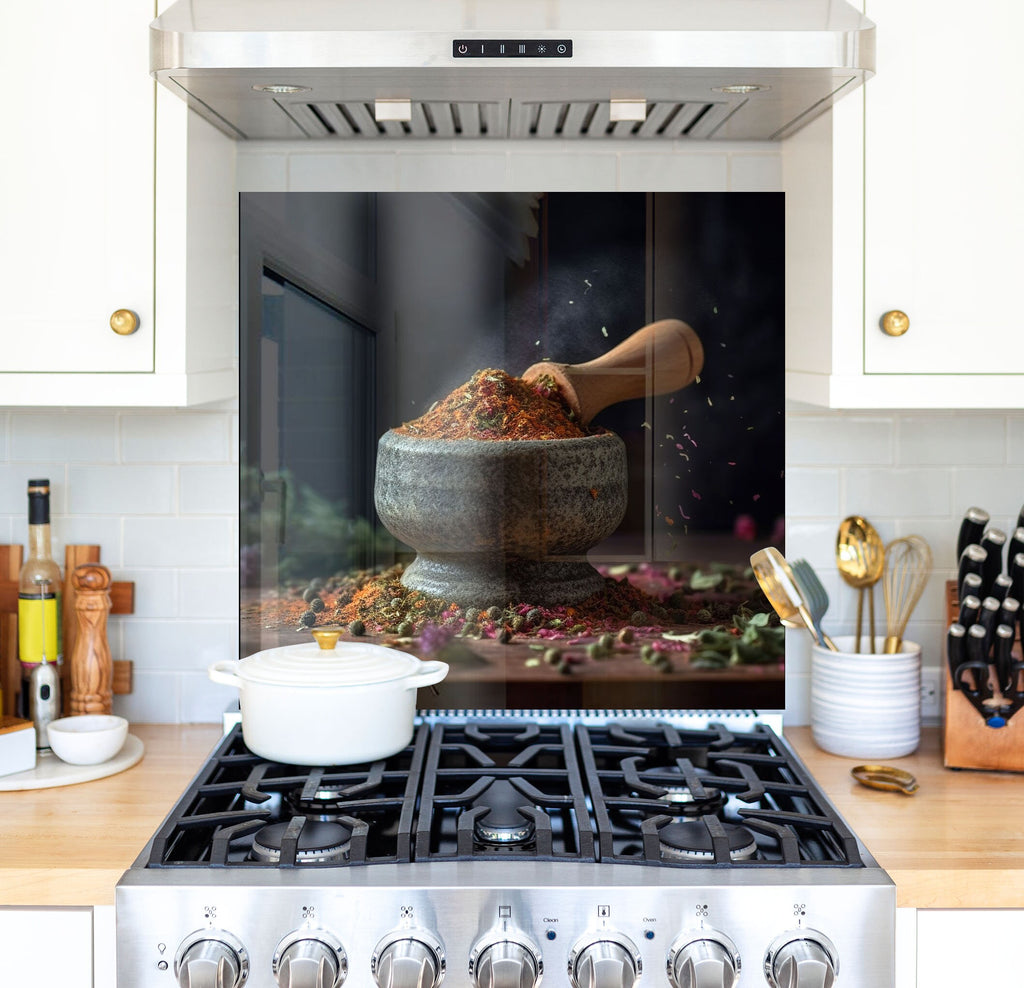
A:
(493, 405)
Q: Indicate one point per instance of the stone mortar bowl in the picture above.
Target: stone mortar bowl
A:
(495, 522)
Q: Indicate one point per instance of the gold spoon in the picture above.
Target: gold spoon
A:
(860, 558)
(776, 580)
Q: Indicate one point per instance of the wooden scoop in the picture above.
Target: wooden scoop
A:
(661, 357)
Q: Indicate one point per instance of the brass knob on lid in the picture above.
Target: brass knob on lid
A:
(124, 322)
(895, 323)
(327, 638)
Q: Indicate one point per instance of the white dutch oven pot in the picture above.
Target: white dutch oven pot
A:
(305, 705)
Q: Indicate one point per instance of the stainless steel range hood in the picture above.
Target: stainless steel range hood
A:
(531, 69)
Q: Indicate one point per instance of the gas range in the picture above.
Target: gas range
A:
(497, 850)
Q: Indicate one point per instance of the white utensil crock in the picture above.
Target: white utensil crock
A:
(303, 705)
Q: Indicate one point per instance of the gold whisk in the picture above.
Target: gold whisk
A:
(908, 562)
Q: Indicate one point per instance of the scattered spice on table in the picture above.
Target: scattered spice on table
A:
(492, 405)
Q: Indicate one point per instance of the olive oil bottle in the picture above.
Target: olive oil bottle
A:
(39, 592)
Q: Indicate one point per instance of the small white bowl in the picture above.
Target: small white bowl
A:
(88, 739)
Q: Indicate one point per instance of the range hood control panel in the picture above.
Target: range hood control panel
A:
(514, 48)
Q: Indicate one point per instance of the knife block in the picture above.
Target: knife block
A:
(967, 741)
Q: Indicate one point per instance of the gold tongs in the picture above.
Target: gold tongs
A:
(885, 777)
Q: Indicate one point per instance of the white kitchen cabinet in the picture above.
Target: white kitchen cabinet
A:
(47, 947)
(907, 196)
(968, 947)
(113, 197)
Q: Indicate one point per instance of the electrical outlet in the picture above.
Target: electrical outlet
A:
(931, 689)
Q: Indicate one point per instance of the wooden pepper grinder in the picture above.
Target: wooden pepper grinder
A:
(92, 670)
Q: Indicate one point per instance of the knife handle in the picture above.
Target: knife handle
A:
(977, 645)
(1001, 587)
(973, 524)
(956, 650)
(1016, 573)
(1009, 612)
(1003, 660)
(988, 618)
(992, 542)
(1016, 544)
(972, 560)
(970, 606)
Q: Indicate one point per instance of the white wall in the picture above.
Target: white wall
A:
(158, 489)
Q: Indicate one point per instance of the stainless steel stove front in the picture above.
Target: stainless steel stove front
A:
(491, 924)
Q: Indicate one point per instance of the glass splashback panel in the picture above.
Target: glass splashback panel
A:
(597, 564)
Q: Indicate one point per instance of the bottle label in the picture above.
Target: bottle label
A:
(38, 629)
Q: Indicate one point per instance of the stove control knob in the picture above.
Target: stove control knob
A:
(705, 960)
(801, 959)
(211, 959)
(310, 959)
(408, 959)
(605, 960)
(505, 963)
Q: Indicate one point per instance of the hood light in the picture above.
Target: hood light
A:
(741, 89)
(282, 90)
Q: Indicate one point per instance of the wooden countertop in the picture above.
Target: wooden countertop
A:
(957, 843)
(69, 845)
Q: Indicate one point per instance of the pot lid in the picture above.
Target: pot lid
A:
(347, 664)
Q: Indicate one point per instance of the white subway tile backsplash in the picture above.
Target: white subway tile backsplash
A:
(156, 591)
(897, 492)
(820, 440)
(209, 490)
(568, 172)
(14, 478)
(157, 645)
(209, 593)
(977, 439)
(999, 490)
(666, 172)
(121, 490)
(104, 531)
(155, 698)
(812, 492)
(755, 172)
(343, 172)
(261, 171)
(76, 437)
(179, 542)
(469, 172)
(203, 701)
(181, 437)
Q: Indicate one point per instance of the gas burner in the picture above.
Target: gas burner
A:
(318, 843)
(502, 824)
(681, 801)
(691, 841)
(326, 803)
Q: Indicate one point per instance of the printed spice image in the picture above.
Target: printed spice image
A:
(492, 405)
(668, 622)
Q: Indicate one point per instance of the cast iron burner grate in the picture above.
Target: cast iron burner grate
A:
(636, 792)
(643, 779)
(237, 794)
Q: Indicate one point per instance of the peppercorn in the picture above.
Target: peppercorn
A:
(357, 628)
(595, 652)
(308, 619)
(405, 629)
(316, 605)
(494, 613)
(638, 618)
(316, 584)
(606, 642)
(518, 622)
(552, 656)
(626, 636)
(308, 594)
(472, 613)
(533, 616)
(505, 635)
(396, 603)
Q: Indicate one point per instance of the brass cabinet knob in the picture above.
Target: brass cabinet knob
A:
(895, 323)
(124, 322)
